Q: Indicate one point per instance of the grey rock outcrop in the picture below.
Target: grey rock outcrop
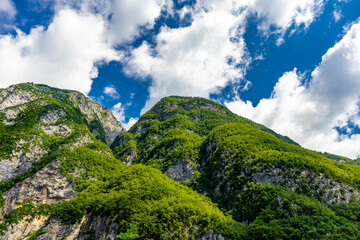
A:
(12, 96)
(90, 227)
(95, 112)
(180, 171)
(292, 178)
(46, 186)
(21, 162)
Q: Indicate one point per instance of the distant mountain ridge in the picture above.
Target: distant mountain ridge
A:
(68, 170)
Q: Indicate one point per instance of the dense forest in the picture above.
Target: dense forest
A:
(188, 169)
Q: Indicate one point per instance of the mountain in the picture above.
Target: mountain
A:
(261, 178)
(168, 136)
(59, 180)
(188, 169)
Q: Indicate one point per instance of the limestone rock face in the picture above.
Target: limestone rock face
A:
(210, 235)
(24, 228)
(61, 129)
(131, 155)
(16, 99)
(46, 186)
(95, 112)
(90, 227)
(333, 191)
(52, 117)
(21, 161)
(180, 171)
(12, 96)
(293, 178)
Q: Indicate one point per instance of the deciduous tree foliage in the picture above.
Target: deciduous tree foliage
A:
(225, 151)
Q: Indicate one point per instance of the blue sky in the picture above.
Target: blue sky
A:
(292, 65)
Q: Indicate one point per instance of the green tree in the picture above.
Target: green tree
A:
(131, 233)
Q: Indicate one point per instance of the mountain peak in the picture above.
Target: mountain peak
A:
(77, 106)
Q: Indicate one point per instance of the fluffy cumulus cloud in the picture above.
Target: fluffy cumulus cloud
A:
(128, 15)
(197, 60)
(202, 58)
(310, 113)
(67, 53)
(111, 92)
(64, 55)
(7, 9)
(119, 112)
(125, 19)
(284, 13)
(191, 60)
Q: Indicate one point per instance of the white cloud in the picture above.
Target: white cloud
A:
(7, 7)
(309, 114)
(337, 15)
(283, 13)
(80, 37)
(194, 60)
(111, 91)
(65, 55)
(128, 15)
(204, 57)
(124, 18)
(119, 112)
(130, 123)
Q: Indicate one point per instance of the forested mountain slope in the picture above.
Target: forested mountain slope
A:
(235, 179)
(250, 171)
(169, 135)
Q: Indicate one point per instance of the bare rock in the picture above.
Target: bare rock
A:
(131, 155)
(46, 186)
(21, 161)
(90, 227)
(180, 171)
(11, 97)
(61, 129)
(52, 117)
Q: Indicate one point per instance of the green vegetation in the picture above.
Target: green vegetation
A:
(19, 128)
(143, 196)
(227, 152)
(234, 154)
(277, 213)
(134, 195)
(25, 210)
(341, 159)
(257, 183)
(173, 130)
(131, 233)
(95, 125)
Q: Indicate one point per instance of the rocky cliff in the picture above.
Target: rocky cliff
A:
(36, 123)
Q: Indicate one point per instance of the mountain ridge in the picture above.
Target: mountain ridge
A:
(210, 174)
